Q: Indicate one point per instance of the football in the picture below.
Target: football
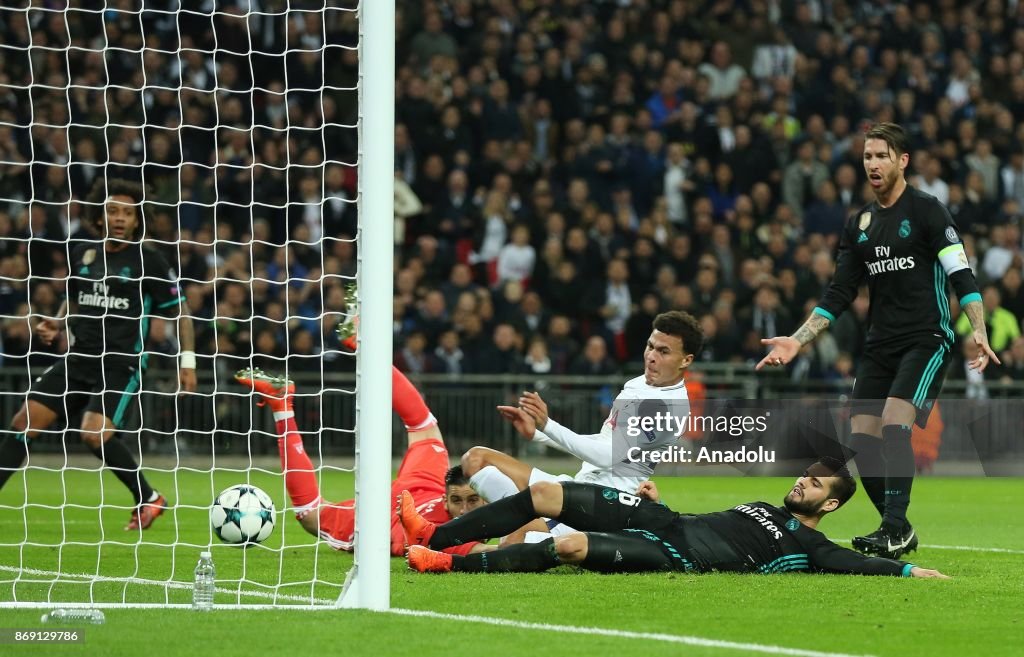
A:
(242, 515)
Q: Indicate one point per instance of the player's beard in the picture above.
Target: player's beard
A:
(802, 506)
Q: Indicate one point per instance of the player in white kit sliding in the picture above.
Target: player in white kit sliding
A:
(675, 338)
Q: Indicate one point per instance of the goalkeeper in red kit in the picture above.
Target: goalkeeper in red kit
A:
(440, 492)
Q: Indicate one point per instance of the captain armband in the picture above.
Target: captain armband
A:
(953, 259)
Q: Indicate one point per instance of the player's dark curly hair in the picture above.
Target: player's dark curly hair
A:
(102, 189)
(455, 477)
(684, 326)
(844, 485)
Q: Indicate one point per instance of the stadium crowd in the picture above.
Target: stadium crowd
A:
(564, 170)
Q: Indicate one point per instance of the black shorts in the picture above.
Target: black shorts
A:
(913, 371)
(626, 533)
(104, 385)
(588, 507)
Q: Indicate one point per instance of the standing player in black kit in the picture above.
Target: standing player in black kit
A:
(115, 287)
(906, 244)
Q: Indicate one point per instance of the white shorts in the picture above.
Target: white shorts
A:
(558, 529)
(539, 475)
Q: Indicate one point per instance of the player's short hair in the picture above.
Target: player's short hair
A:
(843, 485)
(103, 189)
(455, 477)
(684, 326)
(892, 134)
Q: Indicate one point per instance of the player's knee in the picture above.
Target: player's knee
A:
(310, 522)
(94, 439)
(19, 423)
(869, 424)
(572, 548)
(547, 498)
(897, 411)
(475, 460)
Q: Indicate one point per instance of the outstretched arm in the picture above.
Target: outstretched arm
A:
(975, 312)
(532, 422)
(784, 349)
(826, 555)
(187, 340)
(50, 327)
(841, 292)
(592, 448)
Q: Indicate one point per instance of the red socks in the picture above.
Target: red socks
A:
(299, 475)
(408, 403)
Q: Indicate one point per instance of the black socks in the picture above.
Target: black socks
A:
(521, 558)
(899, 475)
(116, 456)
(871, 466)
(13, 451)
(489, 521)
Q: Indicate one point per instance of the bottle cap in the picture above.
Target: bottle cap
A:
(205, 554)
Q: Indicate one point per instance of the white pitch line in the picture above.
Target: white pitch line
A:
(170, 584)
(961, 548)
(622, 634)
(969, 548)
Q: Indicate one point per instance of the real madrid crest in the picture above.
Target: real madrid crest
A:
(865, 221)
(88, 257)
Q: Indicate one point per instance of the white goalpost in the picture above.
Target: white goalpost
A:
(245, 121)
(369, 585)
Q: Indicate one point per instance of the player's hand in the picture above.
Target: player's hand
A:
(521, 420)
(928, 573)
(649, 491)
(532, 403)
(985, 353)
(783, 350)
(48, 330)
(187, 378)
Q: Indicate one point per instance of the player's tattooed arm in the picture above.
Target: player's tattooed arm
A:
(975, 312)
(814, 325)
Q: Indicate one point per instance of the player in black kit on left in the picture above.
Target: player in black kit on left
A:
(115, 286)
(635, 533)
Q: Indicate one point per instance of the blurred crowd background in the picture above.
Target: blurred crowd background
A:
(564, 169)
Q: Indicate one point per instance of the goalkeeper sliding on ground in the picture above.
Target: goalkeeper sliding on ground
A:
(439, 493)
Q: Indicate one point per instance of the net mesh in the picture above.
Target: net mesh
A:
(240, 120)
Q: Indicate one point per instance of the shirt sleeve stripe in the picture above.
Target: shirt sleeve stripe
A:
(967, 298)
(172, 302)
(907, 568)
(824, 313)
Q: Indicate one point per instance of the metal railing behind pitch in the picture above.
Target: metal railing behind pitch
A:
(220, 415)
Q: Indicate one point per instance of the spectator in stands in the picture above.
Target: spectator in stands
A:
(611, 146)
(594, 361)
(1003, 327)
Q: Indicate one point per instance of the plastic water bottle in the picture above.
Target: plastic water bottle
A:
(204, 583)
(74, 617)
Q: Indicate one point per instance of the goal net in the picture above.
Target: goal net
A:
(243, 120)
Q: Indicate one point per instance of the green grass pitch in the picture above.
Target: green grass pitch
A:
(979, 612)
